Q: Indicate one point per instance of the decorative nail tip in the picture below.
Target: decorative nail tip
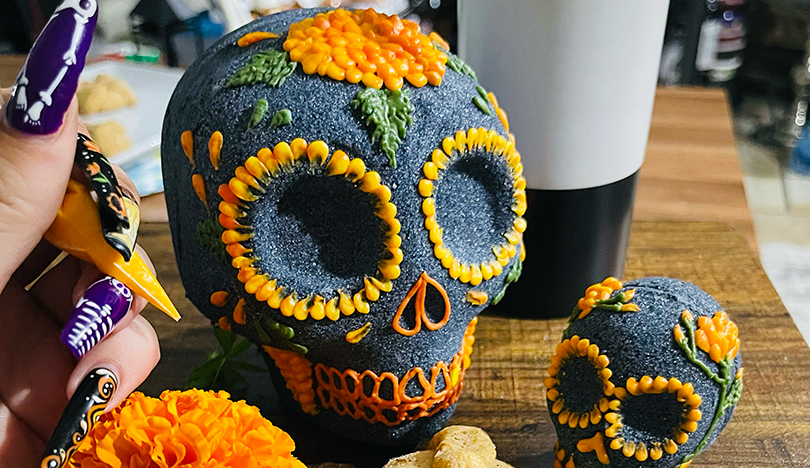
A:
(118, 236)
(119, 214)
(50, 75)
(79, 417)
(101, 307)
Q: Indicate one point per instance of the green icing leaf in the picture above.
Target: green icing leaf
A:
(482, 104)
(731, 385)
(511, 277)
(259, 109)
(734, 393)
(456, 64)
(209, 235)
(281, 117)
(390, 112)
(482, 100)
(271, 67)
(282, 333)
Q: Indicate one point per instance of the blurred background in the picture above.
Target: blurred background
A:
(758, 51)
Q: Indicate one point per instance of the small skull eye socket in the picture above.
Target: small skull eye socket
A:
(649, 417)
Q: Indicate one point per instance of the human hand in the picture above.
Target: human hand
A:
(39, 372)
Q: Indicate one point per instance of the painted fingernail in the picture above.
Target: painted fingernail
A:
(50, 75)
(102, 306)
(79, 417)
(119, 218)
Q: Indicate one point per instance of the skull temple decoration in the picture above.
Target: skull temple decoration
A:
(647, 375)
(344, 193)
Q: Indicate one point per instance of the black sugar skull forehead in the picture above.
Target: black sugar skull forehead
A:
(352, 185)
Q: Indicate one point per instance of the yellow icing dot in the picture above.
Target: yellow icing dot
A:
(477, 298)
(355, 336)
(219, 298)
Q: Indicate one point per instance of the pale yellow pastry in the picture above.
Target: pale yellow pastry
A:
(104, 93)
(110, 137)
(462, 447)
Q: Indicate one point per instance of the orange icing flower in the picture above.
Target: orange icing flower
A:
(365, 46)
(717, 336)
(597, 292)
(194, 429)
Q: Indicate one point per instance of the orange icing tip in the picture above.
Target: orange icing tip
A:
(254, 37)
(76, 230)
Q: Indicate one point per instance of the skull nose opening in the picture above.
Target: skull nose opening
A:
(651, 417)
(319, 235)
(473, 200)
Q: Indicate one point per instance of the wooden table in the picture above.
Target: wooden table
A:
(691, 171)
(503, 390)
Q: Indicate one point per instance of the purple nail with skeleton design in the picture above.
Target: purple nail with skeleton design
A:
(102, 306)
(50, 76)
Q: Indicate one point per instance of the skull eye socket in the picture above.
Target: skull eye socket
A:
(312, 234)
(581, 384)
(474, 199)
(578, 384)
(649, 418)
(321, 233)
(472, 207)
(653, 416)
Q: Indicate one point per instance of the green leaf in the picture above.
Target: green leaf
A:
(270, 67)
(280, 118)
(225, 338)
(456, 64)
(221, 371)
(205, 376)
(390, 113)
(240, 348)
(209, 235)
(511, 277)
(259, 110)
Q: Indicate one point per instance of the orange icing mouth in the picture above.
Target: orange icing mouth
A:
(344, 392)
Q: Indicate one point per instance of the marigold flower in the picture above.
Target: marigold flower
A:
(717, 336)
(368, 47)
(599, 292)
(193, 429)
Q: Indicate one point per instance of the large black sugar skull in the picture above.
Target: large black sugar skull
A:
(647, 375)
(344, 193)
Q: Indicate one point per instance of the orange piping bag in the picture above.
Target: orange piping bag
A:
(76, 230)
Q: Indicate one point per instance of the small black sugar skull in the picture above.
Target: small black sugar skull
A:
(344, 193)
(647, 375)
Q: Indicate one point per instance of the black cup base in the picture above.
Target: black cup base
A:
(575, 238)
